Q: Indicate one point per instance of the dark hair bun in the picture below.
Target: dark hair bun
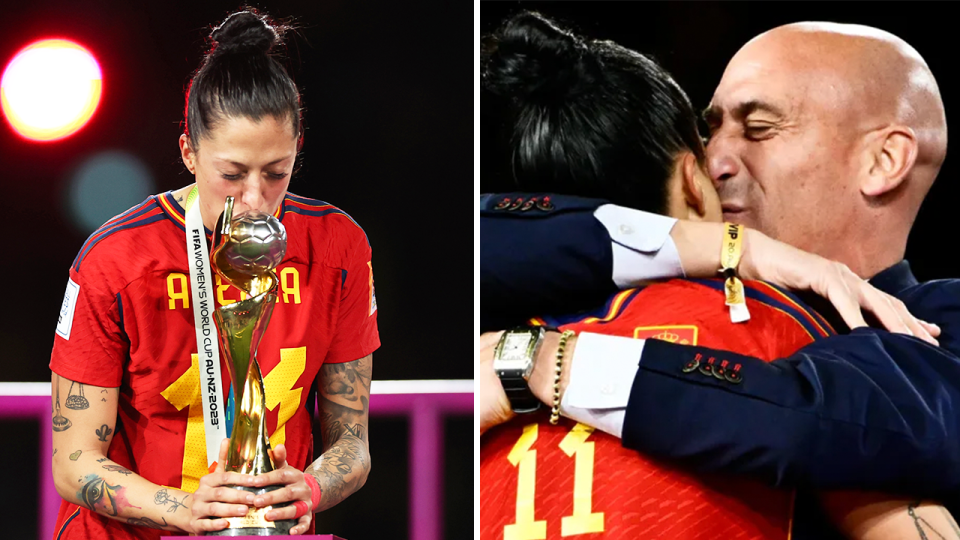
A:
(531, 59)
(244, 31)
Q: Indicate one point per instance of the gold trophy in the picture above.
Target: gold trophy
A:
(245, 251)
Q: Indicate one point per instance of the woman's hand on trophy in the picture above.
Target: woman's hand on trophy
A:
(295, 490)
(214, 501)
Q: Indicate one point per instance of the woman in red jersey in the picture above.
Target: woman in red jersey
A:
(129, 390)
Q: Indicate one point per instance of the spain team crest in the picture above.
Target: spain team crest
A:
(682, 334)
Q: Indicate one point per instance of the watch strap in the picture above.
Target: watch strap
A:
(519, 394)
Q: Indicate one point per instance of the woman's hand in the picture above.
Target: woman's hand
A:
(214, 501)
(492, 406)
(792, 268)
(294, 489)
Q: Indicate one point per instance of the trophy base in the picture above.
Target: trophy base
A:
(254, 524)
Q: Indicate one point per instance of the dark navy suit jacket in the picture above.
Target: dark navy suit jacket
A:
(864, 410)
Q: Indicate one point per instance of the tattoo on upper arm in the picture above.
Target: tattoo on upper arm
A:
(104, 432)
(60, 423)
(76, 401)
(163, 497)
(342, 379)
(54, 451)
(76, 455)
(147, 522)
(103, 391)
(101, 460)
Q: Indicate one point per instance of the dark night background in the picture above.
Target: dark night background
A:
(695, 40)
(388, 133)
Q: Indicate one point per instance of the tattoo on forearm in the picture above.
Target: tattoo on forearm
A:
(919, 523)
(163, 497)
(118, 468)
(357, 430)
(104, 432)
(76, 401)
(99, 496)
(147, 522)
(345, 463)
(343, 469)
(101, 460)
(60, 423)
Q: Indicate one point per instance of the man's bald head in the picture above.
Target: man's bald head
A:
(874, 76)
(824, 135)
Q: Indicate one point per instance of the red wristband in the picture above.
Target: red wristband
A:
(315, 492)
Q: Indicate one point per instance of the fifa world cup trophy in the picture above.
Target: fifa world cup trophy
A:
(245, 251)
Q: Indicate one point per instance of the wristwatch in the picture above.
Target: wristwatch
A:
(513, 361)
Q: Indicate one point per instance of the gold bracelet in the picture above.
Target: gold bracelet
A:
(555, 412)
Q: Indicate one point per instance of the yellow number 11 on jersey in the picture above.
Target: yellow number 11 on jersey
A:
(522, 455)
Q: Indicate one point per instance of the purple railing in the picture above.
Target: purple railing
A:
(425, 403)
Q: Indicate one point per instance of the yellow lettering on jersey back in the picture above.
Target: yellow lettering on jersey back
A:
(175, 293)
(583, 521)
(278, 389)
(185, 392)
(290, 285)
(526, 528)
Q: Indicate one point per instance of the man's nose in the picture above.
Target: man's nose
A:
(722, 160)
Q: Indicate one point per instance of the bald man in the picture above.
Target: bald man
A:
(827, 137)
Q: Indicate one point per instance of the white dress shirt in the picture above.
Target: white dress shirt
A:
(603, 367)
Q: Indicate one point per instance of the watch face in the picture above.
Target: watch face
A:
(515, 348)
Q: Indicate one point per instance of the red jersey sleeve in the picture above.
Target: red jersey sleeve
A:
(357, 334)
(90, 345)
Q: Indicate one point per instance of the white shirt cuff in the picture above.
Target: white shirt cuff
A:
(642, 247)
(601, 377)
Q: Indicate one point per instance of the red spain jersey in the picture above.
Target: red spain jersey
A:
(131, 326)
(539, 481)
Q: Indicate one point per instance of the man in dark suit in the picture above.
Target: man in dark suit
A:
(809, 145)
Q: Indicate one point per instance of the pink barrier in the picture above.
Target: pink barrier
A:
(426, 412)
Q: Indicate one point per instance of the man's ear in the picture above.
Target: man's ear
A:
(890, 156)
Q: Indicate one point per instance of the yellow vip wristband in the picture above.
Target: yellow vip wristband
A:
(729, 260)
